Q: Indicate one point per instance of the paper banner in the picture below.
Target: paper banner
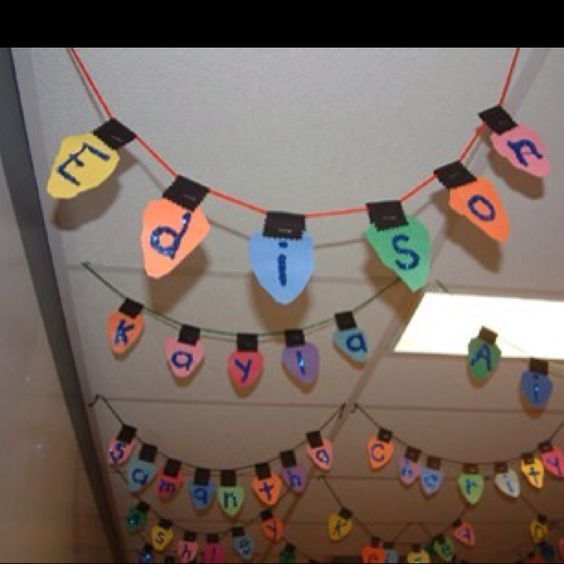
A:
(418, 555)
(507, 480)
(349, 339)
(213, 553)
(464, 533)
(292, 473)
(271, 526)
(287, 555)
(281, 256)
(185, 353)
(242, 543)
(380, 449)
(320, 450)
(401, 241)
(533, 470)
(169, 479)
(121, 446)
(245, 364)
(201, 489)
(391, 555)
(339, 525)
(471, 484)
(136, 517)
(146, 554)
(538, 529)
(229, 495)
(300, 358)
(552, 458)
(536, 385)
(266, 485)
(173, 226)
(519, 144)
(373, 553)
(444, 548)
(187, 548)
(409, 466)
(483, 354)
(141, 469)
(162, 535)
(124, 326)
(85, 161)
(431, 477)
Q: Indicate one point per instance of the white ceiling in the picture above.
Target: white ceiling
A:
(303, 129)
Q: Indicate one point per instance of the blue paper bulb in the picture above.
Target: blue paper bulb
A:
(201, 494)
(536, 388)
(391, 556)
(139, 474)
(244, 546)
(352, 343)
(282, 267)
(145, 556)
(431, 480)
(547, 551)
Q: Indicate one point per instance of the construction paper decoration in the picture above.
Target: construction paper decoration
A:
(201, 489)
(349, 339)
(242, 543)
(464, 533)
(418, 555)
(380, 449)
(475, 198)
(401, 241)
(185, 353)
(271, 526)
(136, 517)
(471, 484)
(560, 546)
(169, 479)
(244, 365)
(519, 144)
(320, 450)
(266, 485)
(213, 553)
(301, 359)
(173, 226)
(391, 555)
(142, 469)
(229, 495)
(84, 161)
(287, 555)
(409, 466)
(506, 480)
(547, 551)
(431, 476)
(536, 385)
(539, 529)
(146, 554)
(533, 470)
(187, 548)
(292, 473)
(552, 458)
(483, 354)
(444, 548)
(122, 445)
(124, 326)
(281, 256)
(339, 525)
(161, 535)
(373, 553)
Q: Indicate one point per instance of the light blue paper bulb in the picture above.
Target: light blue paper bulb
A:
(349, 339)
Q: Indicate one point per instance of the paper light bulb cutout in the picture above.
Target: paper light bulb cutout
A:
(281, 256)
(271, 526)
(121, 446)
(349, 339)
(475, 198)
(471, 484)
(229, 495)
(373, 553)
(533, 469)
(547, 551)
(141, 469)
(292, 473)
(201, 489)
(173, 226)
(320, 450)
(169, 479)
(519, 144)
(483, 354)
(300, 358)
(185, 353)
(124, 326)
(391, 555)
(339, 525)
(145, 554)
(418, 555)
(85, 161)
(213, 553)
(244, 365)
(444, 548)
(380, 449)
(187, 548)
(136, 517)
(161, 535)
(552, 458)
(409, 466)
(536, 385)
(538, 529)
(560, 546)
(242, 543)
(431, 477)
(288, 554)
(464, 533)
(507, 480)
(401, 241)
(266, 485)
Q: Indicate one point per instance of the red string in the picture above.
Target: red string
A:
(255, 207)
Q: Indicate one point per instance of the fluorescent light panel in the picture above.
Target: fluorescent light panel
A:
(445, 323)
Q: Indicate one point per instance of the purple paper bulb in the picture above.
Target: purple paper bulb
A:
(302, 361)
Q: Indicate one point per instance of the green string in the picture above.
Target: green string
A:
(172, 322)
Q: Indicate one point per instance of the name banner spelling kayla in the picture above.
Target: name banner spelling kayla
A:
(173, 226)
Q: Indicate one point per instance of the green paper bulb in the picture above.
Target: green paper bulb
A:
(471, 485)
(483, 357)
